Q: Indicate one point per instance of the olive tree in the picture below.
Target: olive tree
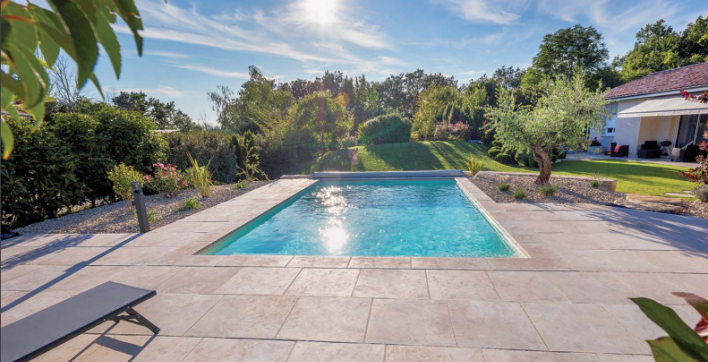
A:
(562, 116)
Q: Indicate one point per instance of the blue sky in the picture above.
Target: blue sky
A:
(193, 46)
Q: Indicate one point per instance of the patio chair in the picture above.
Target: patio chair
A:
(650, 149)
(620, 151)
(40, 332)
(690, 152)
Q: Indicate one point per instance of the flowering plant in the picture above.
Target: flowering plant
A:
(166, 179)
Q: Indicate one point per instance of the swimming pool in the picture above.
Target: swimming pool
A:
(372, 218)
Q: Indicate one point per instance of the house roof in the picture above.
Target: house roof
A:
(690, 76)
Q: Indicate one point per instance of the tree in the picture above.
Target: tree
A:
(565, 50)
(32, 38)
(508, 77)
(64, 87)
(323, 116)
(659, 47)
(132, 101)
(560, 118)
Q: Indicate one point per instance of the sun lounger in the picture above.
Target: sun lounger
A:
(46, 329)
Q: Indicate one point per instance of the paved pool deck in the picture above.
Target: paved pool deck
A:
(568, 301)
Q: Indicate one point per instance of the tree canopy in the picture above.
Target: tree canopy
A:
(659, 47)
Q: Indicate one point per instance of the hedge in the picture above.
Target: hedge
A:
(208, 147)
(65, 162)
(387, 128)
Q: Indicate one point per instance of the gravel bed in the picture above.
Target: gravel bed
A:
(568, 190)
(119, 218)
(696, 208)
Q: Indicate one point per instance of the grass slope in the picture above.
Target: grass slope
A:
(633, 177)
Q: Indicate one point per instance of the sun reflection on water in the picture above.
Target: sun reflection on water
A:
(334, 236)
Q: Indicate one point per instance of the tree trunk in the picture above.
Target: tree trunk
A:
(544, 164)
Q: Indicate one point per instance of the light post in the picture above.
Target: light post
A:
(140, 210)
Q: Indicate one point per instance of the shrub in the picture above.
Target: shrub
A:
(595, 183)
(207, 147)
(199, 177)
(547, 190)
(39, 177)
(474, 166)
(166, 179)
(701, 193)
(122, 177)
(387, 128)
(241, 185)
(496, 143)
(151, 216)
(189, 204)
(504, 158)
(519, 194)
(494, 151)
(349, 141)
(504, 187)
(446, 131)
(249, 160)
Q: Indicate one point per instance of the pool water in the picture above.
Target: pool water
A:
(371, 218)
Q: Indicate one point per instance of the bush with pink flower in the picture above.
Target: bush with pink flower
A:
(167, 179)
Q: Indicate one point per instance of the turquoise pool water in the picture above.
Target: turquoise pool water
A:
(371, 218)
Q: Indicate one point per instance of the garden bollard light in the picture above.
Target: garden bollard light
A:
(139, 202)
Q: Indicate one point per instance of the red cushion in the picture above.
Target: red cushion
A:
(617, 149)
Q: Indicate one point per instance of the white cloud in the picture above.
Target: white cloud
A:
(160, 90)
(290, 31)
(473, 72)
(498, 12)
(213, 71)
(166, 54)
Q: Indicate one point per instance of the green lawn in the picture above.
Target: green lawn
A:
(633, 177)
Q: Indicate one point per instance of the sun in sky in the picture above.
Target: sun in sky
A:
(320, 11)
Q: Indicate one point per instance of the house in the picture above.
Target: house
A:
(652, 109)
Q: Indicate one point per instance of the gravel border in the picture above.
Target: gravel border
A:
(119, 218)
(569, 190)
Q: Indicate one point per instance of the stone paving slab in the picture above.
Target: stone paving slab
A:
(303, 308)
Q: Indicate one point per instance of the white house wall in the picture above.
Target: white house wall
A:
(627, 129)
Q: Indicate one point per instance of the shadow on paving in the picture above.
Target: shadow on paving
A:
(686, 233)
(59, 244)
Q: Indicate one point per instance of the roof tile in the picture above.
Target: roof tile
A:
(689, 76)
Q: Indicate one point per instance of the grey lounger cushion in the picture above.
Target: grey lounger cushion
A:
(46, 329)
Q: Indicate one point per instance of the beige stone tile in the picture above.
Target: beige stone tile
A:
(345, 319)
(692, 283)
(197, 280)
(581, 328)
(584, 287)
(438, 354)
(30, 304)
(134, 256)
(607, 260)
(143, 276)
(404, 284)
(245, 317)
(324, 282)
(450, 284)
(450, 263)
(9, 297)
(187, 256)
(35, 279)
(86, 278)
(650, 285)
(13, 272)
(71, 256)
(634, 321)
(676, 261)
(380, 262)
(499, 355)
(625, 358)
(259, 281)
(411, 322)
(252, 260)
(117, 348)
(167, 349)
(524, 286)
(230, 350)
(489, 325)
(336, 352)
(76, 349)
(165, 239)
(8, 293)
(173, 313)
(17, 255)
(530, 264)
(319, 262)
